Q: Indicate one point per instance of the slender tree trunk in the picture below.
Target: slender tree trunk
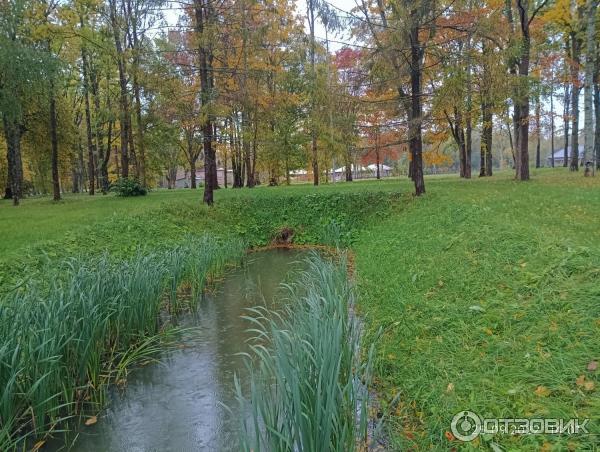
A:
(193, 175)
(486, 140)
(566, 119)
(538, 129)
(576, 55)
(88, 119)
(105, 159)
(522, 172)
(377, 153)
(141, 160)
(125, 118)
(313, 133)
(13, 131)
(54, 143)
(588, 127)
(204, 16)
(552, 121)
(414, 129)
(468, 120)
(597, 108)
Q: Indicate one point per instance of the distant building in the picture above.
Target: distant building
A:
(183, 178)
(559, 156)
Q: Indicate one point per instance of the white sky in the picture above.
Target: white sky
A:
(172, 15)
(345, 5)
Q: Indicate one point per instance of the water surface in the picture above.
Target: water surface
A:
(176, 405)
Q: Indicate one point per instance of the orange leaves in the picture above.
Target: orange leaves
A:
(542, 391)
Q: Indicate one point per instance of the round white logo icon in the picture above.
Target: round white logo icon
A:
(466, 426)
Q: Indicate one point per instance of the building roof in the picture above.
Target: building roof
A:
(382, 167)
(559, 155)
(342, 169)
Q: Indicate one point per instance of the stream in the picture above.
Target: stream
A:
(177, 404)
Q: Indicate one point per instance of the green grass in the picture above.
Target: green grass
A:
(488, 289)
(63, 338)
(307, 389)
(491, 294)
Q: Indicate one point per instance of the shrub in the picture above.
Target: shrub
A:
(128, 187)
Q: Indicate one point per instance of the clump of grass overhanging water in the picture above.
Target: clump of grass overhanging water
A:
(63, 339)
(308, 388)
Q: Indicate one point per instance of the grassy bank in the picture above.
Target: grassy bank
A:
(487, 289)
(490, 292)
(65, 337)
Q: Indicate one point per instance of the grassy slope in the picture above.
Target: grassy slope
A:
(491, 297)
(487, 287)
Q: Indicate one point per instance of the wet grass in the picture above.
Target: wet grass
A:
(65, 337)
(491, 292)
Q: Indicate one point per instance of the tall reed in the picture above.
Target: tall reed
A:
(308, 382)
(60, 338)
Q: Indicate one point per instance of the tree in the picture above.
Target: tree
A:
(526, 12)
(591, 7)
(22, 78)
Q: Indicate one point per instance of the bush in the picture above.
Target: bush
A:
(128, 187)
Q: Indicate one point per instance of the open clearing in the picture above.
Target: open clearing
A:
(488, 290)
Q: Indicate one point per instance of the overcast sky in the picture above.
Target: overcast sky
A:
(172, 15)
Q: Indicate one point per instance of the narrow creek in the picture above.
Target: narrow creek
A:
(177, 404)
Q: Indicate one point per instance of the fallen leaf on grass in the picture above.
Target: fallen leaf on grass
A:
(91, 421)
(580, 380)
(542, 391)
(450, 387)
(37, 446)
(592, 366)
(588, 385)
(449, 436)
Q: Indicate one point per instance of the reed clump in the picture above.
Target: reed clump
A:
(64, 338)
(308, 377)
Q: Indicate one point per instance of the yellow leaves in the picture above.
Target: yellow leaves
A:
(37, 446)
(450, 388)
(91, 421)
(583, 383)
(542, 391)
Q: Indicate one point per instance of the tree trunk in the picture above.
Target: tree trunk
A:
(88, 119)
(566, 118)
(414, 128)
(313, 133)
(124, 102)
(597, 108)
(348, 163)
(552, 121)
(486, 140)
(204, 16)
(468, 120)
(522, 98)
(538, 128)
(54, 141)
(193, 175)
(141, 160)
(588, 127)
(576, 55)
(377, 153)
(13, 131)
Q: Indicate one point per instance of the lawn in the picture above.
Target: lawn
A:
(488, 290)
